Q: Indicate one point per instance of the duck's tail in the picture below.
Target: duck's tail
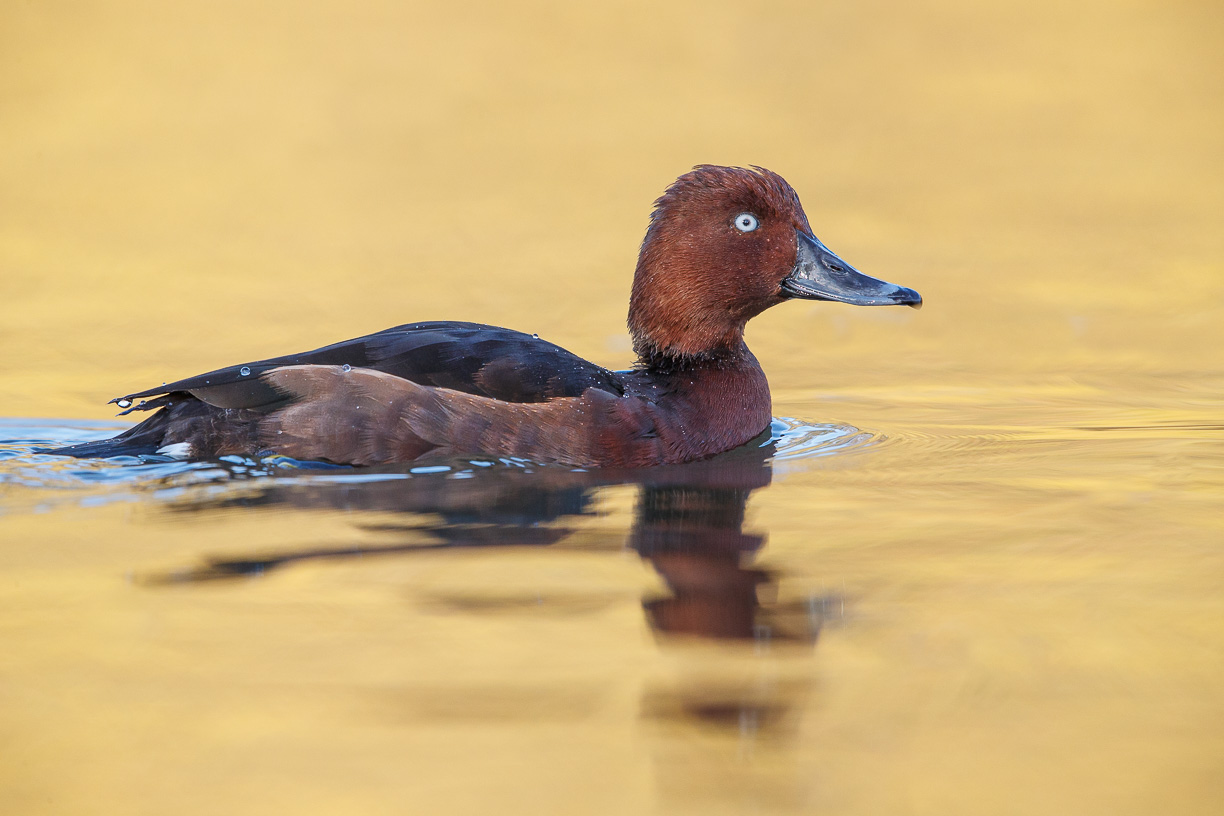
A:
(145, 438)
(182, 426)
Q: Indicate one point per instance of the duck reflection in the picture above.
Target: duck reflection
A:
(688, 524)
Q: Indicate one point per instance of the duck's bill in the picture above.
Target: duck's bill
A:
(820, 275)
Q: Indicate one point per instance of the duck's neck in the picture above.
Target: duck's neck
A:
(666, 321)
(665, 361)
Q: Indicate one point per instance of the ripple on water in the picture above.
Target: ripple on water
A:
(797, 440)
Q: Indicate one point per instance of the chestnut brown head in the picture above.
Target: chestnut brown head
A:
(724, 244)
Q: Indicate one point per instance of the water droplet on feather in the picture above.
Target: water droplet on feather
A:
(245, 371)
(346, 367)
(124, 403)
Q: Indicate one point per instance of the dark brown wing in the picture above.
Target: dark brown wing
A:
(469, 357)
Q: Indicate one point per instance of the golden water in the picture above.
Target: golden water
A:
(1006, 595)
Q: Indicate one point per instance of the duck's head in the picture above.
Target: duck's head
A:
(724, 244)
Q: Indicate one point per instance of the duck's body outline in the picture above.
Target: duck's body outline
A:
(723, 245)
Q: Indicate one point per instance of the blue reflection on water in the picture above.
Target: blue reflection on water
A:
(148, 477)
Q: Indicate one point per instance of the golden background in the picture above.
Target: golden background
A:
(188, 185)
(1033, 561)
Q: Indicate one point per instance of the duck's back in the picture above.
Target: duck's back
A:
(229, 410)
(486, 361)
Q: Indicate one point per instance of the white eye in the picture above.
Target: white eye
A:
(746, 222)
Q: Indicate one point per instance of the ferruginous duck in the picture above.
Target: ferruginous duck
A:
(723, 245)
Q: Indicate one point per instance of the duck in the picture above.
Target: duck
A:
(723, 244)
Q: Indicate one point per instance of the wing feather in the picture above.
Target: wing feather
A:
(468, 357)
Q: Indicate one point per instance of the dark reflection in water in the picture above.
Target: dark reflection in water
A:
(688, 525)
(693, 536)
